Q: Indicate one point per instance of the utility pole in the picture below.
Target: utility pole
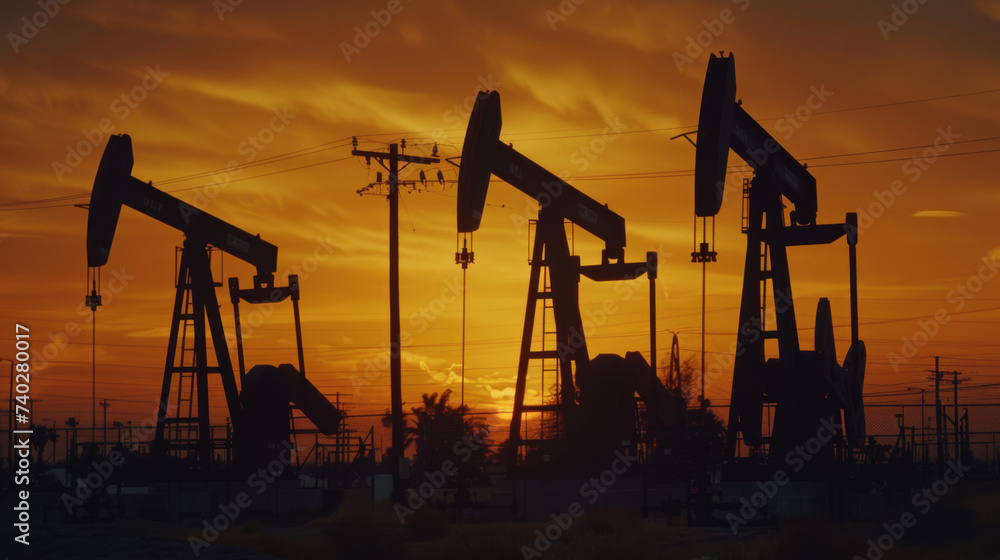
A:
(923, 426)
(104, 439)
(392, 158)
(954, 418)
(937, 410)
(958, 440)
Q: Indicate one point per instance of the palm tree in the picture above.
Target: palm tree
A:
(442, 432)
(40, 437)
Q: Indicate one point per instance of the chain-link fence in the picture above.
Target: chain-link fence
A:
(978, 432)
(910, 430)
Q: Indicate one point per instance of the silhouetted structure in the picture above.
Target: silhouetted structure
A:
(393, 158)
(195, 306)
(595, 408)
(807, 387)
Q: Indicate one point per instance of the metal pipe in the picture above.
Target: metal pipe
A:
(234, 296)
(958, 449)
(852, 244)
(651, 266)
(293, 283)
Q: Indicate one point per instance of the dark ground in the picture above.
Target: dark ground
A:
(966, 526)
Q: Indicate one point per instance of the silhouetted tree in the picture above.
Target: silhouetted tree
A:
(553, 424)
(681, 382)
(703, 441)
(504, 453)
(41, 436)
(442, 432)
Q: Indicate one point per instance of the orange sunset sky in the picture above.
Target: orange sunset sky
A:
(592, 90)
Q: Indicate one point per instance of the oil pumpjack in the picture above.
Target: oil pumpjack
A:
(259, 409)
(807, 388)
(595, 409)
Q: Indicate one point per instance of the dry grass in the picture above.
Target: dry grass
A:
(358, 531)
(965, 528)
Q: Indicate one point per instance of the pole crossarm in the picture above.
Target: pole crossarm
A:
(380, 156)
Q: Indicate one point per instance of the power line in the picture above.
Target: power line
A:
(692, 126)
(670, 174)
(6, 207)
(17, 205)
(746, 169)
(263, 161)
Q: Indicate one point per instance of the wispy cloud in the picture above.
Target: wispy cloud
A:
(938, 214)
